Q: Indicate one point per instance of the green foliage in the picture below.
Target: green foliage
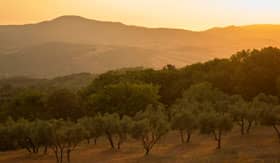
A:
(7, 136)
(94, 127)
(39, 132)
(28, 104)
(197, 96)
(64, 104)
(256, 71)
(211, 121)
(25, 134)
(115, 128)
(124, 98)
(71, 82)
(271, 116)
(185, 122)
(244, 113)
(270, 113)
(65, 137)
(206, 97)
(216, 124)
(210, 106)
(149, 126)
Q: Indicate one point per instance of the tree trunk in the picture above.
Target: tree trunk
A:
(219, 140)
(27, 148)
(249, 127)
(189, 137)
(182, 136)
(56, 152)
(119, 145)
(88, 140)
(61, 155)
(37, 149)
(95, 141)
(28, 141)
(277, 131)
(215, 136)
(46, 149)
(121, 140)
(24, 145)
(68, 155)
(242, 127)
(56, 156)
(147, 151)
(110, 139)
(219, 144)
(33, 149)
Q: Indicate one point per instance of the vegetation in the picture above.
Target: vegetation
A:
(150, 126)
(145, 104)
(216, 124)
(186, 123)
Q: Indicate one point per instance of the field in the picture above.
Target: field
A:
(260, 146)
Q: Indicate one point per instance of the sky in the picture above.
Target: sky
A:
(187, 14)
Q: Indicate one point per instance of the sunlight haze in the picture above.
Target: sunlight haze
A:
(187, 14)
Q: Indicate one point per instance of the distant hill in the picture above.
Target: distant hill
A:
(73, 82)
(72, 44)
(58, 59)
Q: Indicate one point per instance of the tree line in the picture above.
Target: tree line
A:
(145, 104)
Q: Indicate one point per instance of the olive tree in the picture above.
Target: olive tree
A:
(65, 137)
(75, 133)
(244, 113)
(149, 126)
(271, 117)
(123, 130)
(211, 107)
(39, 132)
(185, 122)
(216, 124)
(19, 133)
(115, 128)
(7, 137)
(261, 108)
(25, 134)
(94, 127)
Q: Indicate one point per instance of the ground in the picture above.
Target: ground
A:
(260, 146)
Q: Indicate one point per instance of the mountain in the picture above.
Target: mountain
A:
(73, 44)
(72, 82)
(58, 59)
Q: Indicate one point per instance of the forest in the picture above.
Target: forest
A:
(144, 104)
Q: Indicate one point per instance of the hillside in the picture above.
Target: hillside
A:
(246, 149)
(58, 59)
(73, 82)
(72, 44)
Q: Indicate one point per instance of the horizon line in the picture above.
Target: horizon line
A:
(141, 26)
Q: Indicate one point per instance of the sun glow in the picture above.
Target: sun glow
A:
(188, 14)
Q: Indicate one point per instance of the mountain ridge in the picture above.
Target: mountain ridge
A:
(70, 40)
(69, 17)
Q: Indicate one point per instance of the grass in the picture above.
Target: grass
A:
(260, 146)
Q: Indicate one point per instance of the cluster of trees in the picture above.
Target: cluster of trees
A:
(144, 104)
(213, 112)
(202, 108)
(63, 136)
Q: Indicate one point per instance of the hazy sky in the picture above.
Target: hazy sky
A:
(188, 14)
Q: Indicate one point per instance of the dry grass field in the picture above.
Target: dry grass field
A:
(261, 146)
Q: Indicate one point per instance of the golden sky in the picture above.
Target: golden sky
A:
(187, 14)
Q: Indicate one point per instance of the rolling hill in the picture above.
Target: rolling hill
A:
(73, 44)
